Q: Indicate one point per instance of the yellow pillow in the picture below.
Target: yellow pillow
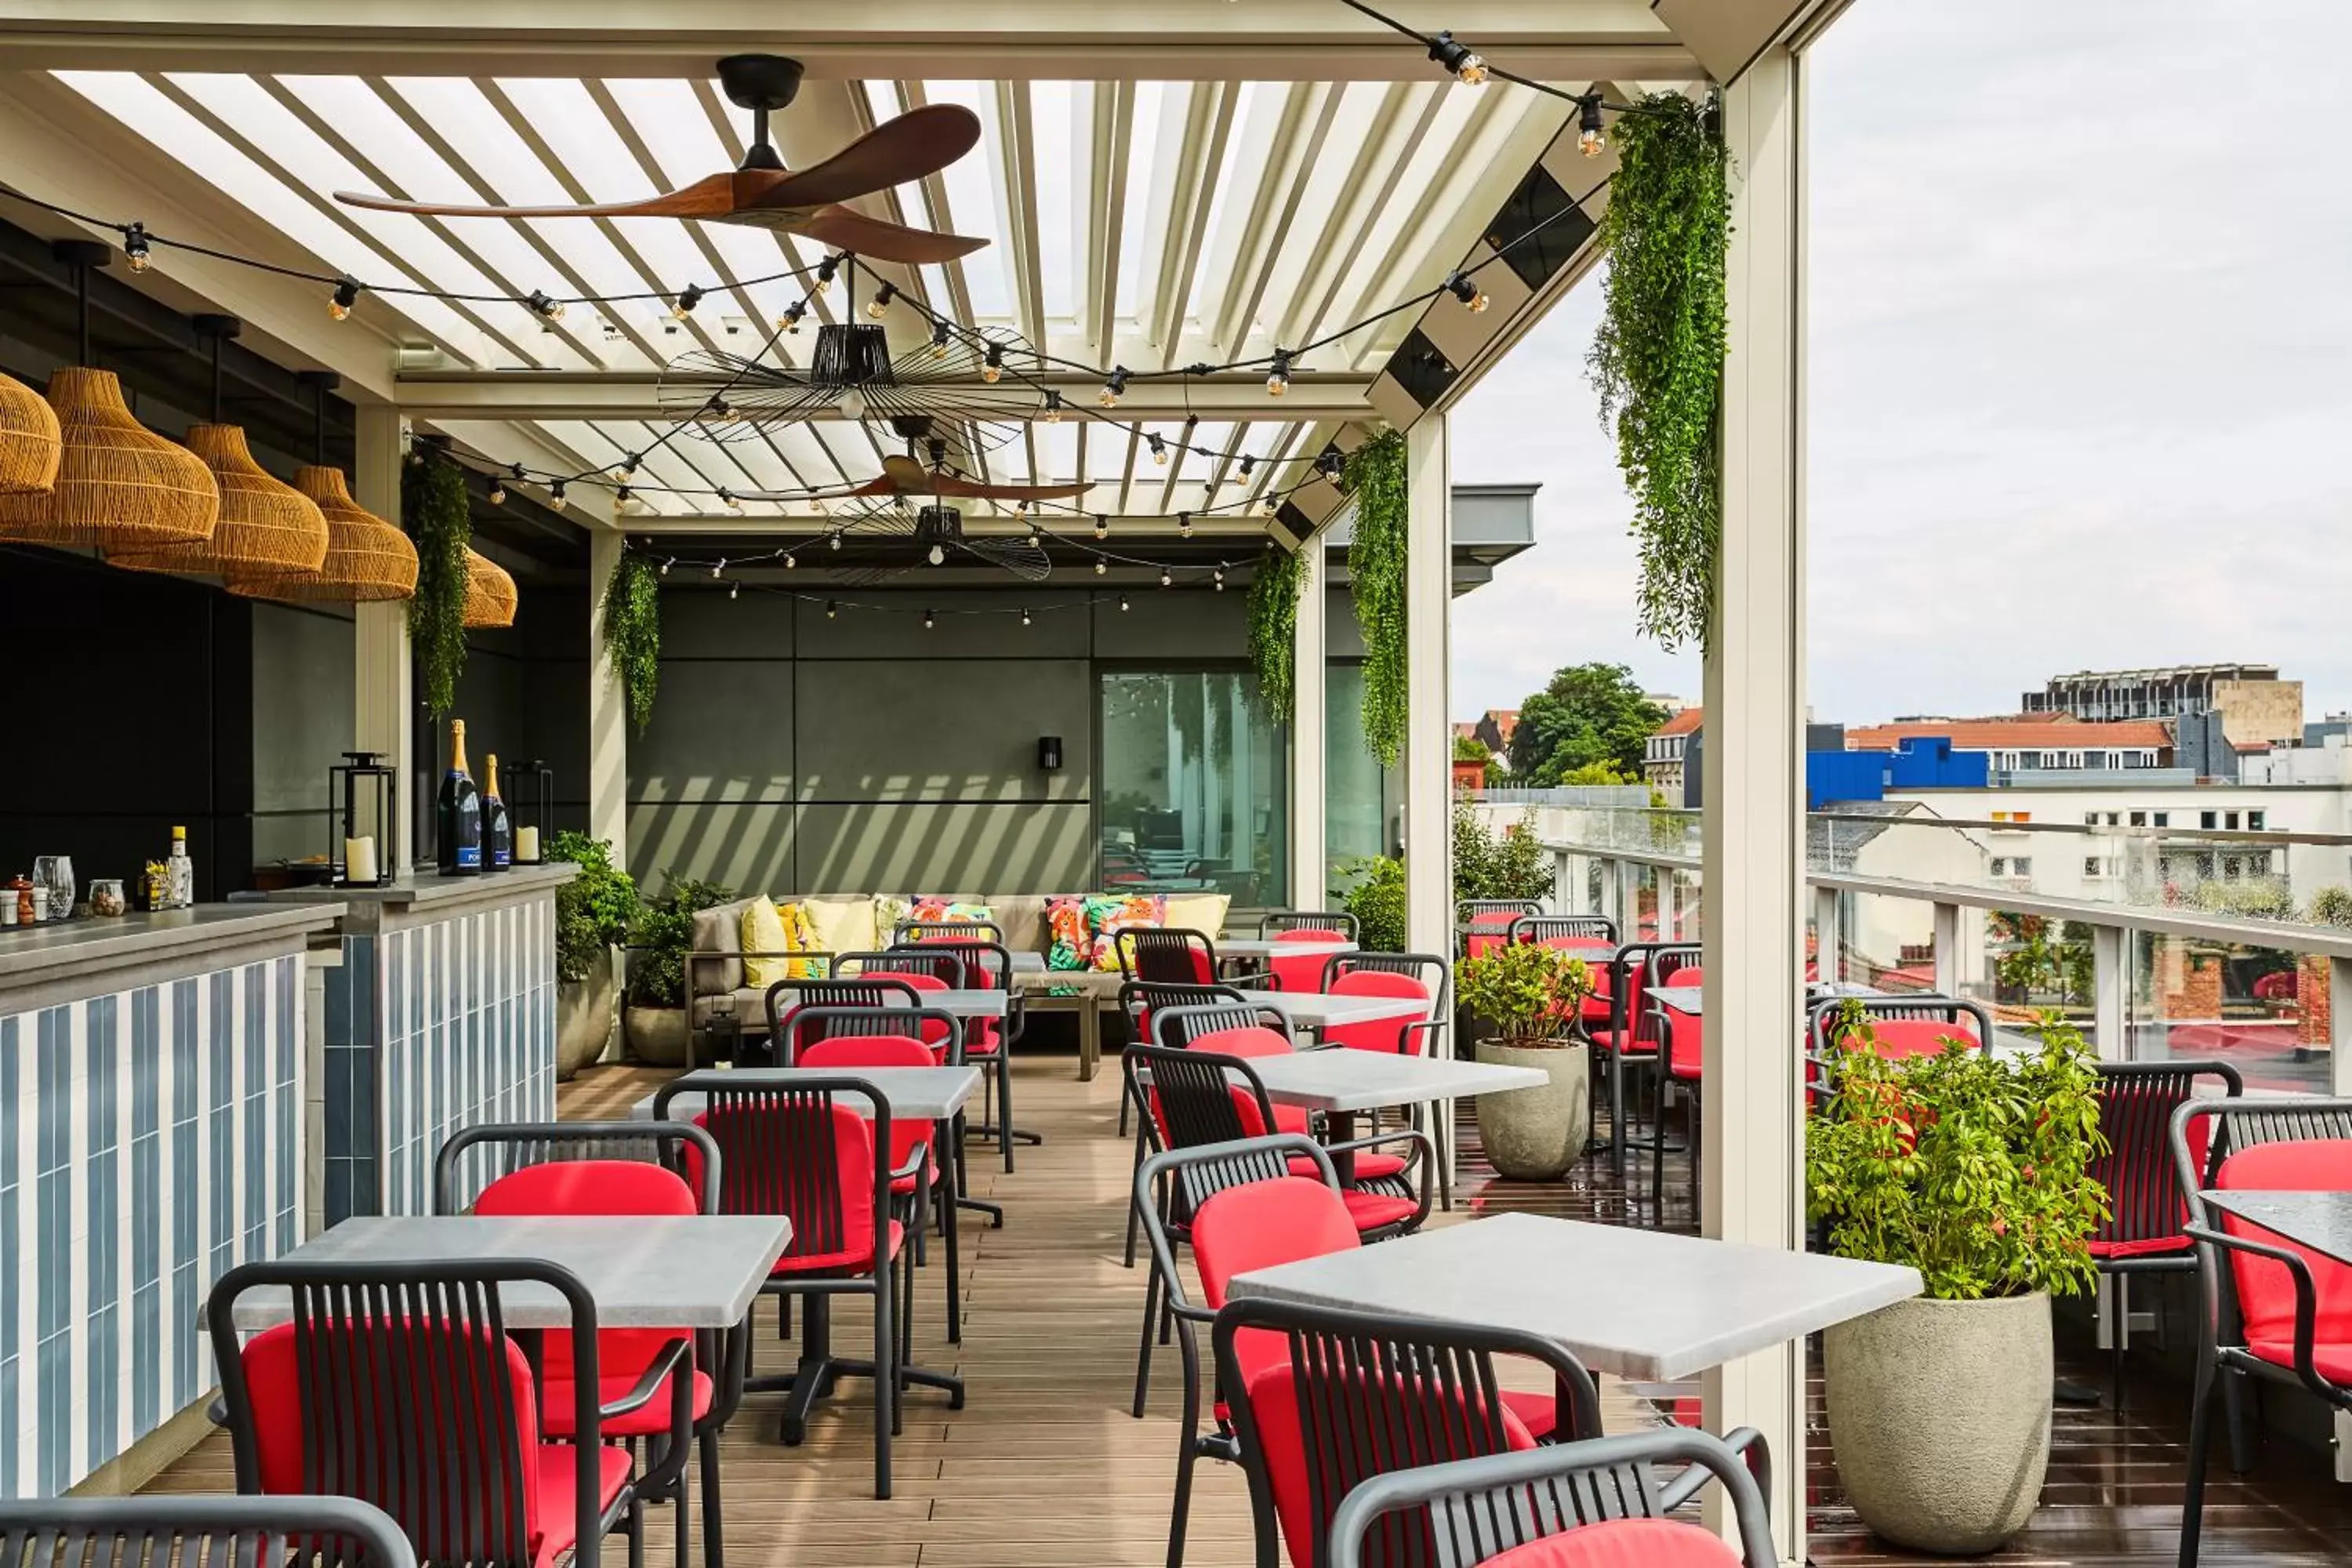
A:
(840, 924)
(764, 932)
(799, 936)
(1202, 912)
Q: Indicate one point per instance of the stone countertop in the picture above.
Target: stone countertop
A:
(432, 888)
(86, 950)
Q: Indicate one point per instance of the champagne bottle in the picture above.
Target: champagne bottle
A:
(457, 812)
(497, 829)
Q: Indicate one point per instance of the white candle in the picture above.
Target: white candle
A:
(526, 846)
(359, 859)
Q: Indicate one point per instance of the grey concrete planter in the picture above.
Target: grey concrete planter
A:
(1536, 1135)
(1940, 1415)
(585, 1017)
(657, 1035)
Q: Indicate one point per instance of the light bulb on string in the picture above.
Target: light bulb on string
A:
(1185, 525)
(1277, 379)
(734, 589)
(1052, 407)
(727, 499)
(340, 303)
(992, 364)
(929, 620)
(1112, 386)
(1219, 578)
(1458, 58)
(833, 540)
(1158, 449)
(718, 569)
(1122, 604)
(667, 563)
(880, 306)
(135, 247)
(545, 307)
(790, 562)
(628, 468)
(824, 271)
(1268, 506)
(832, 610)
(1466, 289)
(555, 491)
(498, 493)
(1024, 616)
(790, 320)
(1589, 137)
(1167, 578)
(1101, 566)
(1102, 526)
(939, 340)
(621, 498)
(687, 299)
(938, 556)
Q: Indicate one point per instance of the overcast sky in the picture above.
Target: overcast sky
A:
(2081, 369)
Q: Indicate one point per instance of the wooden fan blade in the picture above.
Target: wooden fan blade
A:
(898, 152)
(903, 474)
(879, 241)
(709, 198)
(948, 485)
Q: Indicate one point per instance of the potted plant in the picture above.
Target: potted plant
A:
(1531, 997)
(592, 915)
(1970, 1166)
(660, 940)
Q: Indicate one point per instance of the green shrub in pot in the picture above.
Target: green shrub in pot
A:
(1532, 995)
(1971, 1166)
(593, 911)
(662, 933)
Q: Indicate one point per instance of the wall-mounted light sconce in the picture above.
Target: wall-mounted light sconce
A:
(1049, 754)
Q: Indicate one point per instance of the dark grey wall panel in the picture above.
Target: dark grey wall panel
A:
(722, 730)
(700, 621)
(1181, 624)
(894, 628)
(303, 685)
(921, 847)
(746, 846)
(942, 730)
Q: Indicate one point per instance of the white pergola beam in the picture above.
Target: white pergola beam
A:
(1203, 40)
(563, 395)
(1310, 855)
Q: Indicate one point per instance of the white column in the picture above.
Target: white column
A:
(384, 696)
(1828, 936)
(1428, 737)
(2109, 1027)
(1752, 1146)
(608, 707)
(1948, 968)
(1310, 877)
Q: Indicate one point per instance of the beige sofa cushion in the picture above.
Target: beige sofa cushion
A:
(1202, 912)
(842, 924)
(718, 928)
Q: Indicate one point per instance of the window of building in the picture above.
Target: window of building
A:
(2229, 821)
(2159, 819)
(1194, 783)
(2095, 759)
(2207, 818)
(2139, 819)
(2012, 864)
(2093, 866)
(2254, 820)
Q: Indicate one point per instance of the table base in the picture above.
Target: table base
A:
(813, 1376)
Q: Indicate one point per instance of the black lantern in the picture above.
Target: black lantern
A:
(361, 776)
(530, 848)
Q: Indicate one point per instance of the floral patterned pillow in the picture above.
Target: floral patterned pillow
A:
(1108, 915)
(1070, 945)
(949, 910)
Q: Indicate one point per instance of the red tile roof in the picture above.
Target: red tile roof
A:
(1506, 721)
(1684, 723)
(2013, 734)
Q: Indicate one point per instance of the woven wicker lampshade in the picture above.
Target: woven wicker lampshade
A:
(265, 524)
(367, 558)
(30, 442)
(120, 486)
(489, 592)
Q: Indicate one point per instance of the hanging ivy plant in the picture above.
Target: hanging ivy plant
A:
(1657, 359)
(633, 632)
(1274, 629)
(433, 508)
(1375, 476)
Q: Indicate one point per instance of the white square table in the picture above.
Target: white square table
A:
(695, 1271)
(1027, 963)
(1641, 1304)
(1684, 999)
(1342, 1081)
(2320, 1221)
(1319, 1010)
(1267, 947)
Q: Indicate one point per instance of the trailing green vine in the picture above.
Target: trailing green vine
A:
(434, 509)
(1274, 629)
(1657, 359)
(1375, 476)
(633, 632)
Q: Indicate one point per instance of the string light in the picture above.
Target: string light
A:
(1185, 525)
(1277, 380)
(929, 622)
(668, 562)
(789, 561)
(832, 610)
(727, 499)
(555, 491)
(1248, 463)
(1101, 566)
(1113, 386)
(790, 320)
(1588, 125)
(545, 307)
(1330, 464)
(498, 493)
(135, 247)
(715, 571)
(620, 497)
(1167, 578)
(1465, 288)
(939, 340)
(880, 306)
(938, 556)
(824, 271)
(992, 365)
(1220, 577)
(687, 299)
(734, 589)
(1025, 614)
(1158, 449)
(1052, 407)
(340, 303)
(833, 540)
(1267, 507)
(628, 468)
(1122, 604)
(1102, 526)
(1458, 59)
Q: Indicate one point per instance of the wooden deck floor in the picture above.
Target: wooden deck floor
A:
(1046, 1468)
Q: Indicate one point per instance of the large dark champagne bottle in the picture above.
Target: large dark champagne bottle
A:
(458, 811)
(497, 829)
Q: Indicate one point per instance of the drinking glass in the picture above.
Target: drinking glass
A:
(55, 872)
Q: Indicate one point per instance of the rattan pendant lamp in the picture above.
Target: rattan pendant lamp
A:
(30, 442)
(367, 558)
(489, 592)
(119, 485)
(265, 524)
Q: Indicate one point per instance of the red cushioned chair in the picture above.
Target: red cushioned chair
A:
(1136, 999)
(2146, 1230)
(1303, 971)
(2270, 1308)
(600, 1168)
(788, 997)
(1681, 1041)
(1252, 1208)
(921, 972)
(1482, 925)
(912, 1140)
(164, 1529)
(1322, 1400)
(323, 1404)
(1625, 1036)
(1408, 976)
(798, 1151)
(1604, 1502)
(987, 966)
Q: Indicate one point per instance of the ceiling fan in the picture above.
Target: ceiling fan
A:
(763, 193)
(914, 499)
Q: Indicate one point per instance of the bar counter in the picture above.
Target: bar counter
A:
(152, 1136)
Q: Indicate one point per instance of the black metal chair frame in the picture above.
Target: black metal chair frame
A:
(160, 1530)
(773, 1176)
(1436, 977)
(1553, 928)
(1473, 1510)
(2221, 1349)
(1138, 1001)
(1440, 1389)
(907, 933)
(988, 967)
(441, 1322)
(2143, 1189)
(665, 1479)
(1624, 1030)
(695, 959)
(932, 958)
(1276, 922)
(1468, 911)
(848, 992)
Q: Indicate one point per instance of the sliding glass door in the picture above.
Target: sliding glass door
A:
(1194, 786)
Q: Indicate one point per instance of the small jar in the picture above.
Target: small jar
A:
(8, 904)
(106, 896)
(39, 897)
(20, 897)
